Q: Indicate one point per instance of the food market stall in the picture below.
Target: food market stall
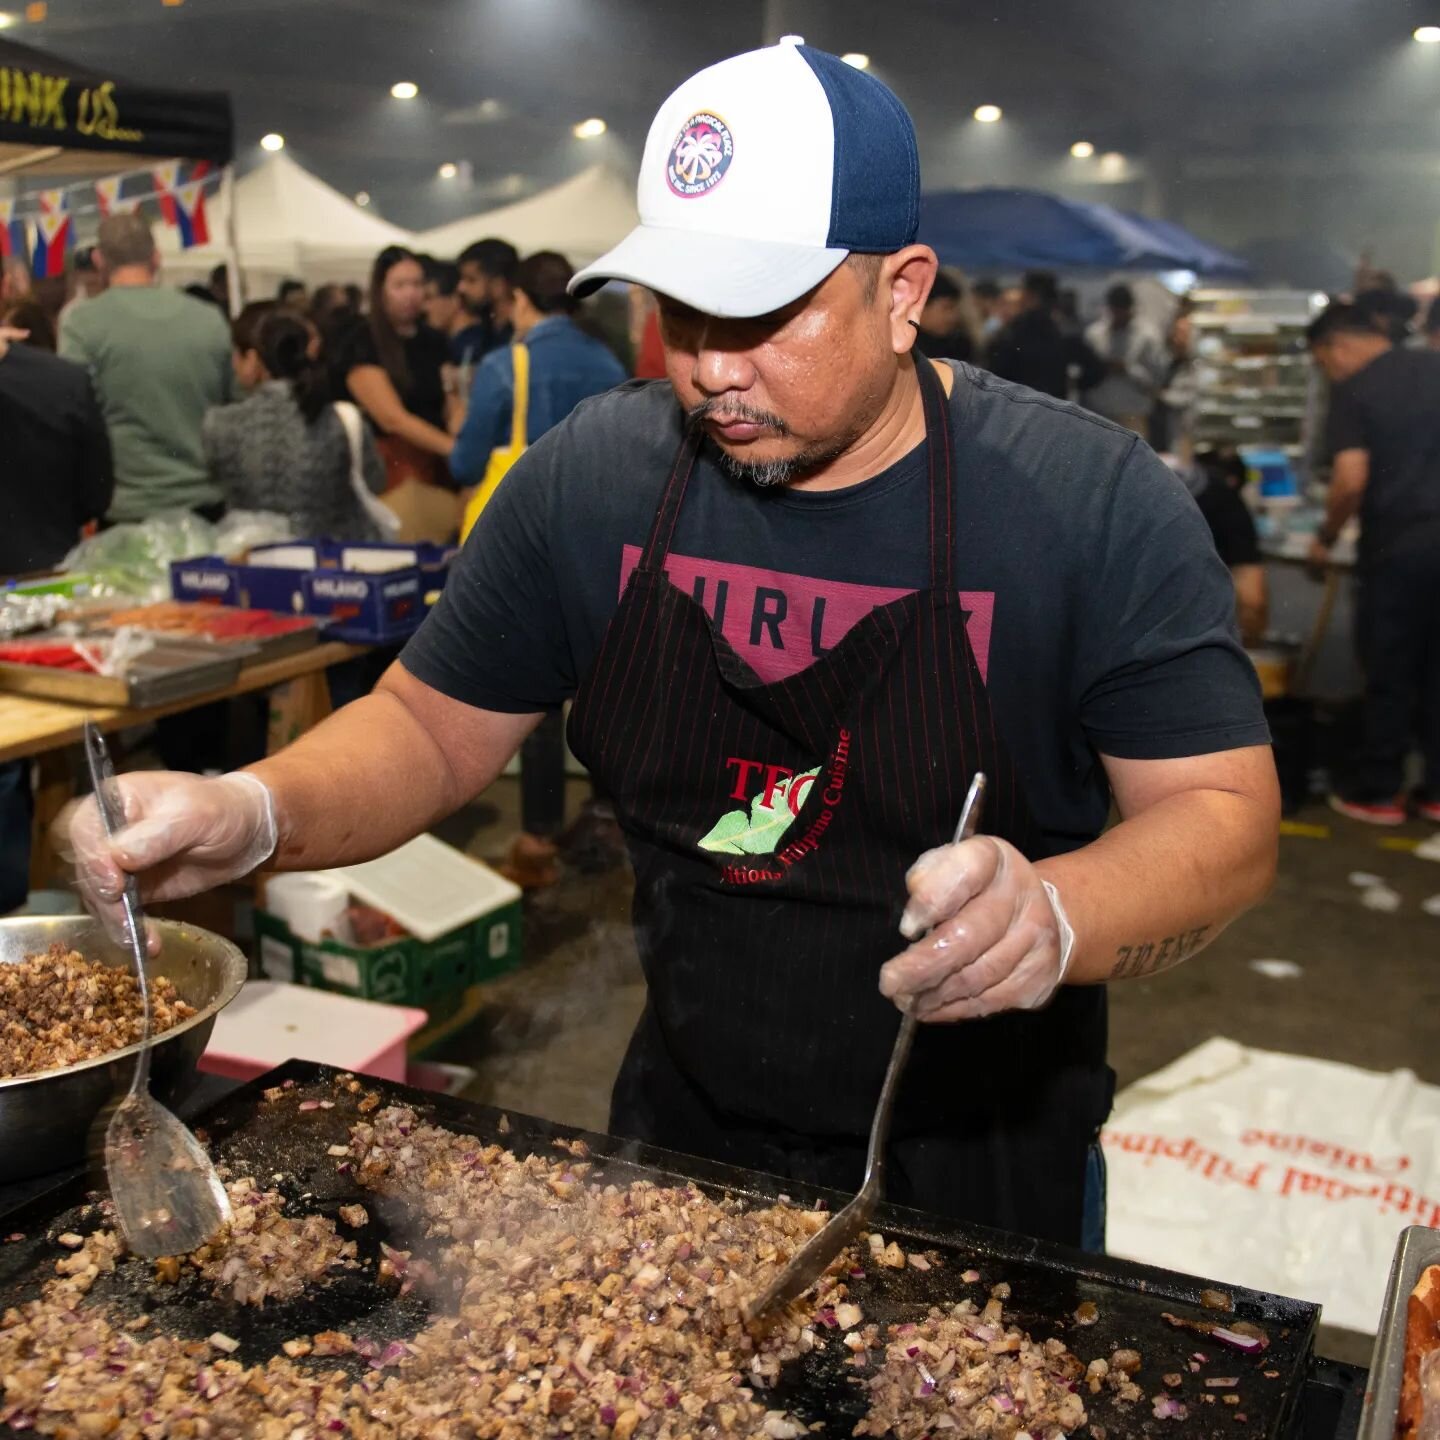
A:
(93, 141)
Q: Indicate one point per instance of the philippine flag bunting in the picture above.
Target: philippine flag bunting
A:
(13, 239)
(107, 194)
(165, 178)
(53, 234)
(190, 215)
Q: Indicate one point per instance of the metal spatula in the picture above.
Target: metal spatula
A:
(823, 1246)
(166, 1194)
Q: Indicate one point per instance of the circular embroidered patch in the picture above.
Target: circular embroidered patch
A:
(700, 156)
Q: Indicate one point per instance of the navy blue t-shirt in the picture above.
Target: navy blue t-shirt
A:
(1100, 615)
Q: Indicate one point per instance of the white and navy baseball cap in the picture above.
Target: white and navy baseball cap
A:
(761, 174)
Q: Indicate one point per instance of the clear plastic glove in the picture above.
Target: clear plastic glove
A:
(985, 935)
(184, 834)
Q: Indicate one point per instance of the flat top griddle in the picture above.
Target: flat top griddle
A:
(1048, 1282)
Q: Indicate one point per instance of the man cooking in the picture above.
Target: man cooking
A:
(800, 594)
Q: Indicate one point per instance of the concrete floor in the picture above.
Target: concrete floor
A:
(554, 1032)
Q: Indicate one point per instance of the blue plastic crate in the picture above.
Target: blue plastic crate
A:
(359, 605)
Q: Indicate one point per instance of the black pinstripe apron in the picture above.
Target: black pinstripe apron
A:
(771, 826)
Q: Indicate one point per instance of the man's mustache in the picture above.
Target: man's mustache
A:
(732, 410)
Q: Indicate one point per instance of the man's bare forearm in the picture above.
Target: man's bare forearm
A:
(1158, 888)
(381, 771)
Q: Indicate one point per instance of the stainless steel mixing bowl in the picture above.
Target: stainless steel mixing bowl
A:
(45, 1119)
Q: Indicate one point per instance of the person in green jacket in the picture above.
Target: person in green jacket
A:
(160, 359)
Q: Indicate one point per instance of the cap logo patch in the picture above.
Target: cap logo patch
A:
(700, 155)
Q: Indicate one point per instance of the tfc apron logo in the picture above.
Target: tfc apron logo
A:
(759, 830)
(773, 810)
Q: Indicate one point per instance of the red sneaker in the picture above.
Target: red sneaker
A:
(1428, 810)
(1382, 812)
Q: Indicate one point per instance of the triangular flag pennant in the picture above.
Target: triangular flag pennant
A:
(166, 178)
(190, 216)
(53, 202)
(53, 234)
(13, 239)
(107, 194)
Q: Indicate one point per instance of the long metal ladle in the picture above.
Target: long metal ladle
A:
(166, 1194)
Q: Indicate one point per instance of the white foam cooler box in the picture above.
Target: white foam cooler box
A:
(463, 922)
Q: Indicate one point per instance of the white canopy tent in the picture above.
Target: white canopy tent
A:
(289, 223)
(581, 217)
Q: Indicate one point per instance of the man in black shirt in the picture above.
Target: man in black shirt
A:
(1033, 350)
(55, 470)
(801, 594)
(1383, 438)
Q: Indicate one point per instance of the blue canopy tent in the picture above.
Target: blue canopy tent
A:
(1204, 258)
(996, 228)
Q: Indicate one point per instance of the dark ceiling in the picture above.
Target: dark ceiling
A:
(1198, 94)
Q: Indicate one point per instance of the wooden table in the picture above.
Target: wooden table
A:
(30, 727)
(43, 730)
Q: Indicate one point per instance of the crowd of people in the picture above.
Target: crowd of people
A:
(397, 409)
(137, 400)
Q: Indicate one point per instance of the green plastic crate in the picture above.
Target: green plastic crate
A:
(403, 972)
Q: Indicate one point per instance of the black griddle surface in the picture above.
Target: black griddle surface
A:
(1048, 1282)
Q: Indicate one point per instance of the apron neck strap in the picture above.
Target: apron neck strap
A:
(940, 463)
(662, 528)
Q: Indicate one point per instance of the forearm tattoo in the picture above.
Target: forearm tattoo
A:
(1150, 956)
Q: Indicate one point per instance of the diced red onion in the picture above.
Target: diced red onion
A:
(1246, 1344)
(607, 1415)
(308, 1105)
(1167, 1407)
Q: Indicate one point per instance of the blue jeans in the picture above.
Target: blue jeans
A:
(1092, 1229)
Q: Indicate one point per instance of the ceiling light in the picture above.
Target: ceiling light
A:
(448, 170)
(988, 114)
(590, 129)
(6, 20)
(1428, 34)
(404, 89)
(36, 11)
(362, 198)
(1082, 149)
(272, 142)
(858, 59)
(1112, 164)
